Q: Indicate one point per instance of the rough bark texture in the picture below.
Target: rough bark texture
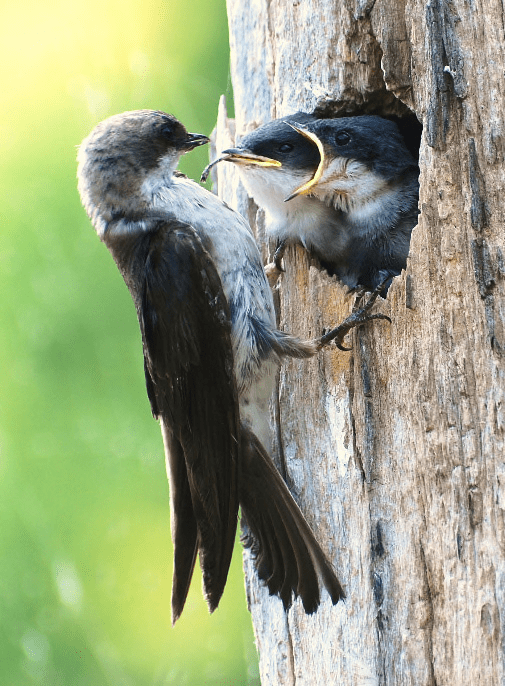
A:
(394, 451)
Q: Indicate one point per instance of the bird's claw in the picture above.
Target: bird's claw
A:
(359, 315)
(272, 272)
(340, 332)
(279, 254)
(274, 269)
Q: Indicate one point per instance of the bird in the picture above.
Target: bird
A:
(211, 351)
(345, 188)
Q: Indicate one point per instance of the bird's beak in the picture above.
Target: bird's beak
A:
(240, 156)
(193, 140)
(305, 188)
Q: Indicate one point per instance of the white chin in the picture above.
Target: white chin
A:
(270, 185)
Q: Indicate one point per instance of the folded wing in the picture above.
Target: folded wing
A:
(185, 326)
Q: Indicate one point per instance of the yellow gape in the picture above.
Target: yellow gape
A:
(305, 188)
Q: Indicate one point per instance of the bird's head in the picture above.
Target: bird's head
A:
(342, 161)
(124, 151)
(360, 157)
(274, 159)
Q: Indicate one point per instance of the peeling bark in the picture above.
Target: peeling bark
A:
(394, 451)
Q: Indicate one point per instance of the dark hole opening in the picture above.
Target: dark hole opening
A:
(383, 104)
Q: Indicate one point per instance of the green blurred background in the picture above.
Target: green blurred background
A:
(85, 555)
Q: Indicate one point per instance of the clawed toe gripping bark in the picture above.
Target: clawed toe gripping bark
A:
(359, 315)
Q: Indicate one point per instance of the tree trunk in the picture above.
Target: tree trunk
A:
(395, 450)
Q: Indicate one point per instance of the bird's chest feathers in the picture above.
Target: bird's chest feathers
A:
(228, 238)
(342, 208)
(342, 213)
(224, 233)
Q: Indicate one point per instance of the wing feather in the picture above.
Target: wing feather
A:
(185, 326)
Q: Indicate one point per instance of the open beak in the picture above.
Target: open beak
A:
(305, 188)
(240, 156)
(193, 140)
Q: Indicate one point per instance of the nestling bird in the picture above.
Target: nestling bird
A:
(211, 351)
(346, 189)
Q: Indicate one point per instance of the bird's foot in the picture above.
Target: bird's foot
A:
(274, 269)
(272, 272)
(359, 315)
(279, 254)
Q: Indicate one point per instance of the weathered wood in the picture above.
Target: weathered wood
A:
(394, 451)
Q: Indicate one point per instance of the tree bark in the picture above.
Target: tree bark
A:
(395, 450)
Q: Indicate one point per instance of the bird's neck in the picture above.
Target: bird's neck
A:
(374, 207)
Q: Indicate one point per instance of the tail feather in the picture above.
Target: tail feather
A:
(286, 345)
(183, 523)
(272, 548)
(287, 556)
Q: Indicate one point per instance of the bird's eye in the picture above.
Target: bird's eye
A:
(285, 147)
(167, 130)
(342, 138)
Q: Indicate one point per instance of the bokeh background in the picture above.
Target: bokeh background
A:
(85, 555)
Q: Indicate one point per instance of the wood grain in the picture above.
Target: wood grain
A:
(395, 451)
